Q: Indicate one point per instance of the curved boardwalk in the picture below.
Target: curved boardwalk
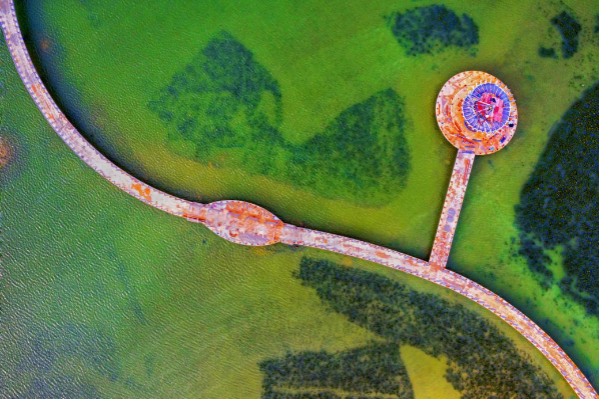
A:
(248, 224)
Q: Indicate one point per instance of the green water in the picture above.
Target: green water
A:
(101, 291)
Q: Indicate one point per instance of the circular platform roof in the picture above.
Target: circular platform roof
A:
(476, 112)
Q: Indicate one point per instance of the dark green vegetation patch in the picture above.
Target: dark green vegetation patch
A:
(547, 52)
(430, 29)
(558, 204)
(375, 369)
(228, 108)
(569, 29)
(482, 362)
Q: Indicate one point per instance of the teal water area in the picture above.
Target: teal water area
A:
(322, 113)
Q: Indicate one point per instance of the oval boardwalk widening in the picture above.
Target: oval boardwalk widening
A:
(249, 224)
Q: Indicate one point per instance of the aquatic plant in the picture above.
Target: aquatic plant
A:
(558, 204)
(482, 361)
(376, 369)
(569, 29)
(430, 29)
(225, 102)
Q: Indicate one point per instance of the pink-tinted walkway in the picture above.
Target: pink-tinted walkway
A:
(248, 224)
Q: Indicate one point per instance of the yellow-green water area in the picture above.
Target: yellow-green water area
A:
(103, 296)
(159, 306)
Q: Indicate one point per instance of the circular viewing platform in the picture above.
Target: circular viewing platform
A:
(477, 112)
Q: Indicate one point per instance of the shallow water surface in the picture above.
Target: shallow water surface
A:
(324, 114)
